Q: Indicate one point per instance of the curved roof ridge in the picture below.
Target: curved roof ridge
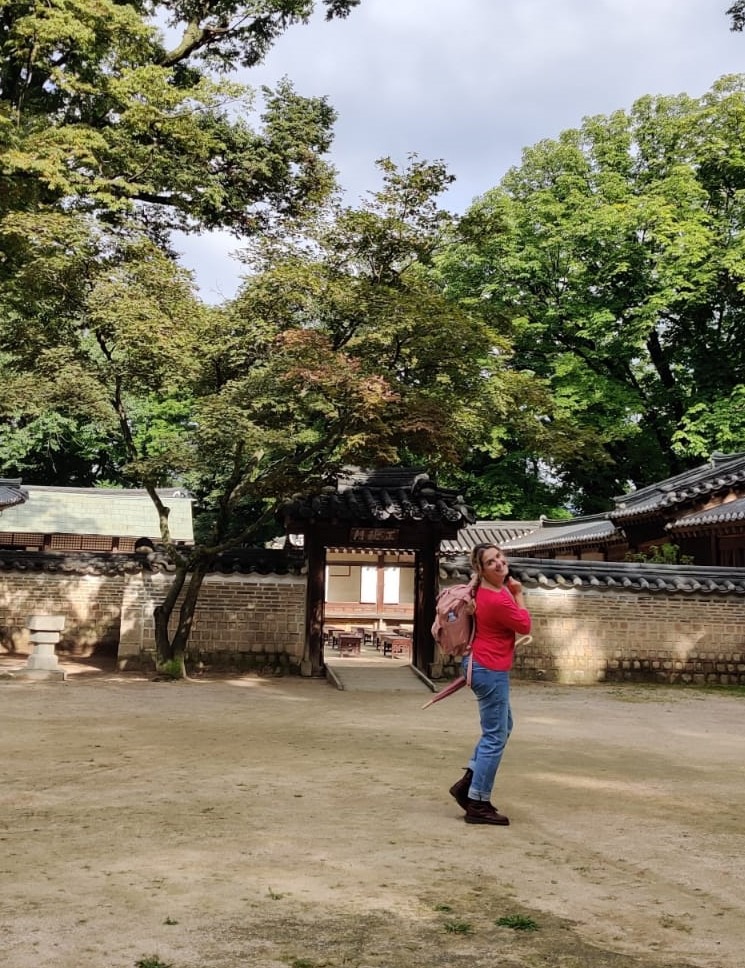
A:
(388, 494)
(721, 471)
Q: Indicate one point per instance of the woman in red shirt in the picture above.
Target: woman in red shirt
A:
(500, 615)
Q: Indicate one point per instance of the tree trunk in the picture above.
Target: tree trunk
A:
(170, 649)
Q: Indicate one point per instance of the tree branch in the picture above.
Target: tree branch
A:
(195, 37)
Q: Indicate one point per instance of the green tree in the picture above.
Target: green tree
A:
(109, 140)
(98, 114)
(109, 137)
(613, 259)
(359, 279)
(338, 350)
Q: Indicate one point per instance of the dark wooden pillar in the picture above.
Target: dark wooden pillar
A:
(425, 593)
(312, 664)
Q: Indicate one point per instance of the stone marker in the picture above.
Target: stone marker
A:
(42, 663)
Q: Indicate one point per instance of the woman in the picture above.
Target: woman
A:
(500, 614)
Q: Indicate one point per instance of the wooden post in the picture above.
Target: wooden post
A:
(425, 593)
(312, 664)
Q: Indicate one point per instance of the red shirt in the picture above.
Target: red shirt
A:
(498, 618)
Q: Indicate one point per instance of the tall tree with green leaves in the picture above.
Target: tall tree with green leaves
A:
(613, 259)
(112, 133)
(338, 350)
(110, 138)
(99, 114)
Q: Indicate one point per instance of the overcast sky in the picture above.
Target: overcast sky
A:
(473, 82)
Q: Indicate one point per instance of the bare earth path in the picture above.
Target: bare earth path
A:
(269, 823)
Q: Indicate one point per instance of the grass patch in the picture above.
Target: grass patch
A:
(517, 922)
(152, 962)
(458, 927)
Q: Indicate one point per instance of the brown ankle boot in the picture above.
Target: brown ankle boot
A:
(481, 811)
(460, 789)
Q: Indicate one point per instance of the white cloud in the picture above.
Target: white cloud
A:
(475, 82)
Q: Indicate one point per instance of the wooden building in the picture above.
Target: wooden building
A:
(91, 519)
(701, 511)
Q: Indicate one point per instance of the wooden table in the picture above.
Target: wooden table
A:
(394, 645)
(349, 643)
(331, 634)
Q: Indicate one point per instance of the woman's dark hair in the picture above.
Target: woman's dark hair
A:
(477, 554)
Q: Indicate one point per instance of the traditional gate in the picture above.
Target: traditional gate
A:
(396, 509)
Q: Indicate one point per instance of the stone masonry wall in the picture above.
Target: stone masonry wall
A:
(255, 622)
(91, 605)
(241, 623)
(593, 635)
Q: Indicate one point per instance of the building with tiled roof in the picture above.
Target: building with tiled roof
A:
(592, 537)
(712, 482)
(486, 532)
(11, 493)
(92, 519)
(701, 511)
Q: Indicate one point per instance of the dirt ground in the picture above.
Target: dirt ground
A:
(283, 822)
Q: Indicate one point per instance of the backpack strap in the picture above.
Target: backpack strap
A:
(473, 584)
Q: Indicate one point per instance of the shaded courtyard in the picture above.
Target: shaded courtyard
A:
(283, 822)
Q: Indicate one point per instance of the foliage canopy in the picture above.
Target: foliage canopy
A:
(612, 258)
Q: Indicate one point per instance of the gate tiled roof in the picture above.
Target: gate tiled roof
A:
(390, 495)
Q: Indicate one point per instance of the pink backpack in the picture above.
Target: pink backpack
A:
(454, 627)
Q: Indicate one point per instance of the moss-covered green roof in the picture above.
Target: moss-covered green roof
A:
(118, 512)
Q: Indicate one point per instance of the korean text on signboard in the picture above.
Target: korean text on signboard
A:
(373, 535)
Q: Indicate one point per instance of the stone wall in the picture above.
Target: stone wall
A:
(592, 635)
(253, 621)
(242, 623)
(90, 603)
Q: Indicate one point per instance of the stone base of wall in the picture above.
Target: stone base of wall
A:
(202, 663)
(705, 669)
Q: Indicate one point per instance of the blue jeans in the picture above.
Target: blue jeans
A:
(492, 690)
